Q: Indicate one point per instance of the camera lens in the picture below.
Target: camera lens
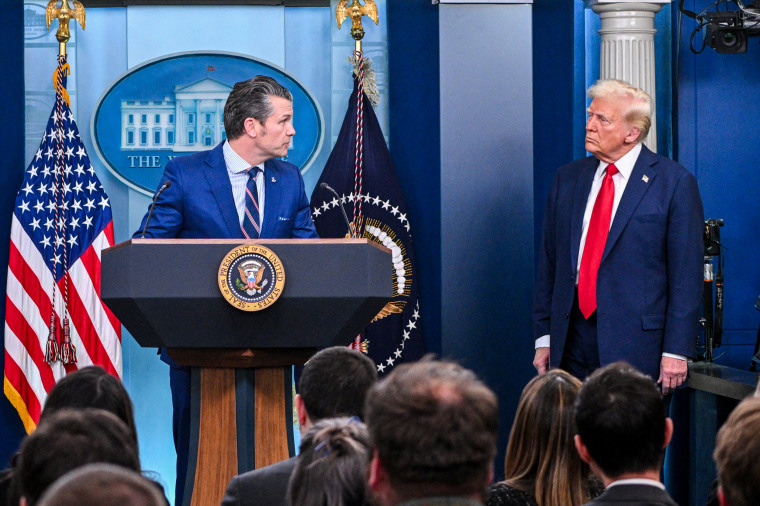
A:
(729, 39)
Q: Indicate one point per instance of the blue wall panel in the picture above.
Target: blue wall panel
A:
(717, 139)
(487, 195)
(11, 175)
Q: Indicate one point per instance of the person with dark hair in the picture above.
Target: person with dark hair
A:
(737, 455)
(91, 387)
(334, 382)
(622, 435)
(88, 387)
(542, 467)
(333, 465)
(238, 190)
(69, 439)
(102, 484)
(433, 425)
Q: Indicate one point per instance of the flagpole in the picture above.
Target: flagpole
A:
(66, 351)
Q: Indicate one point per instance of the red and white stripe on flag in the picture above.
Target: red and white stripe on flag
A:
(61, 222)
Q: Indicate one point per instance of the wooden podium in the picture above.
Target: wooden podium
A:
(166, 293)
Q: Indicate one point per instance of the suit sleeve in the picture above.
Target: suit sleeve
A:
(232, 494)
(166, 221)
(685, 250)
(547, 255)
(303, 225)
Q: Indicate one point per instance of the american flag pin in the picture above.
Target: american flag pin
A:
(645, 178)
(274, 180)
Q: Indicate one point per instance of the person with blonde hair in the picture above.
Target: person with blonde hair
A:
(542, 467)
(621, 257)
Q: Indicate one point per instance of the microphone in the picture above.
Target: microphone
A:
(329, 188)
(153, 206)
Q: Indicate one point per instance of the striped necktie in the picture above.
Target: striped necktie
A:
(251, 226)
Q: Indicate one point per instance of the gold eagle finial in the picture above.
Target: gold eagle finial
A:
(356, 11)
(64, 14)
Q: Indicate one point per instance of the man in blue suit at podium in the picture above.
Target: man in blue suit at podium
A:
(237, 190)
(620, 263)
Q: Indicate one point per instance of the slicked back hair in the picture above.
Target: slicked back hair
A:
(620, 416)
(335, 381)
(251, 99)
(434, 426)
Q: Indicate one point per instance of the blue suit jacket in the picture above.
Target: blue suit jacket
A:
(199, 202)
(650, 277)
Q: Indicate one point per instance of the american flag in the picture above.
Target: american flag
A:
(61, 222)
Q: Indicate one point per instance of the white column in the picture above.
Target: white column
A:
(627, 47)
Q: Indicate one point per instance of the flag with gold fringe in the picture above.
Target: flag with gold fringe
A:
(361, 172)
(55, 321)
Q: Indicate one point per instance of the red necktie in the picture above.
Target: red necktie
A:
(598, 228)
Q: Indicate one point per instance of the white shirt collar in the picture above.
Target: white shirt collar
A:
(637, 481)
(235, 163)
(624, 165)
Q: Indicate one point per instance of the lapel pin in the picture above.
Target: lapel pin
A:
(645, 178)
(274, 180)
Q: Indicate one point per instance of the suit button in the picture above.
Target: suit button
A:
(567, 315)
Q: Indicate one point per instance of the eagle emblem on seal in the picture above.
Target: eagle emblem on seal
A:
(251, 275)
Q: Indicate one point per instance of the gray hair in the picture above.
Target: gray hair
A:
(639, 111)
(250, 99)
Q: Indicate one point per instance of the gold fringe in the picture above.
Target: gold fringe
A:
(19, 404)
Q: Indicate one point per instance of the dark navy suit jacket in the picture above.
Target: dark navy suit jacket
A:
(199, 202)
(633, 495)
(650, 277)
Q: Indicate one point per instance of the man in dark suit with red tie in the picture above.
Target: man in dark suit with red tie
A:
(620, 263)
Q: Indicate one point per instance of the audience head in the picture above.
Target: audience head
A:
(69, 439)
(433, 426)
(334, 382)
(621, 422)
(737, 454)
(541, 457)
(91, 387)
(251, 99)
(332, 466)
(102, 484)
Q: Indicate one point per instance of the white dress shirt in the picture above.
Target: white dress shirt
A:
(236, 170)
(625, 168)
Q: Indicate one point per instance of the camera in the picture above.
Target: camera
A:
(725, 31)
(712, 237)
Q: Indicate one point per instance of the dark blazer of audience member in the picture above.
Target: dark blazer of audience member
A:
(102, 484)
(622, 435)
(333, 465)
(88, 387)
(70, 439)
(334, 382)
(542, 467)
(737, 455)
(433, 425)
